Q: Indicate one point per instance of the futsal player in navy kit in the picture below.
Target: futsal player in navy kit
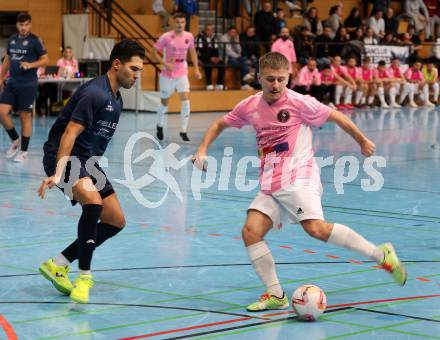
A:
(83, 130)
(25, 54)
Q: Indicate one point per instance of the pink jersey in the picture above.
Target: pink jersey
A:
(287, 49)
(367, 74)
(413, 75)
(67, 68)
(382, 73)
(175, 48)
(353, 72)
(284, 136)
(307, 78)
(395, 72)
(340, 70)
(330, 77)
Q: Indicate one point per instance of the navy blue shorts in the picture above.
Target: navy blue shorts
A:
(20, 96)
(49, 164)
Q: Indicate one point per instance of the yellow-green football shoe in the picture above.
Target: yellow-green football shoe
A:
(58, 275)
(81, 287)
(392, 264)
(268, 302)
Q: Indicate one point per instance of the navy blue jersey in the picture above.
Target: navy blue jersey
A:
(95, 106)
(27, 49)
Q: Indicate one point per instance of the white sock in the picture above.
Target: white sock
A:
(345, 237)
(347, 95)
(338, 93)
(405, 92)
(359, 97)
(393, 95)
(85, 272)
(184, 115)
(435, 87)
(370, 100)
(426, 93)
(363, 100)
(412, 92)
(381, 94)
(161, 114)
(60, 260)
(264, 265)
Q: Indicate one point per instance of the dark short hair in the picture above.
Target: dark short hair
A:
(326, 67)
(23, 17)
(179, 15)
(382, 63)
(125, 50)
(367, 60)
(67, 48)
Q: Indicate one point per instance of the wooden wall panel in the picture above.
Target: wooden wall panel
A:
(13, 5)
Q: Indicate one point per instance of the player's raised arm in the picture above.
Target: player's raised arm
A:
(345, 123)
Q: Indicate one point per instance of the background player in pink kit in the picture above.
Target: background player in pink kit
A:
(175, 45)
(347, 86)
(369, 85)
(355, 73)
(284, 45)
(386, 85)
(415, 82)
(289, 176)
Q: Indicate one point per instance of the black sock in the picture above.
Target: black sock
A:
(105, 231)
(25, 143)
(12, 134)
(87, 230)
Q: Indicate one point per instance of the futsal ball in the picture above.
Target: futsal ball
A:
(309, 302)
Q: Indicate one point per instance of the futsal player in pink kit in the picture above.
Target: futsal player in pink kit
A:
(347, 86)
(285, 46)
(290, 184)
(386, 84)
(415, 83)
(370, 86)
(355, 73)
(174, 46)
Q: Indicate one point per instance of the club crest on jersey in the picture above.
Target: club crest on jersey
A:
(25, 43)
(283, 116)
(186, 41)
(12, 42)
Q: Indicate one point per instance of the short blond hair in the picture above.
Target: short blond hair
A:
(274, 60)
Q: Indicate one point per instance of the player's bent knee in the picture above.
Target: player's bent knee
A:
(251, 235)
(120, 222)
(317, 229)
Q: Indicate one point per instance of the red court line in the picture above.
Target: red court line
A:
(423, 279)
(286, 247)
(186, 328)
(10, 333)
(355, 262)
(309, 251)
(216, 235)
(148, 335)
(333, 256)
